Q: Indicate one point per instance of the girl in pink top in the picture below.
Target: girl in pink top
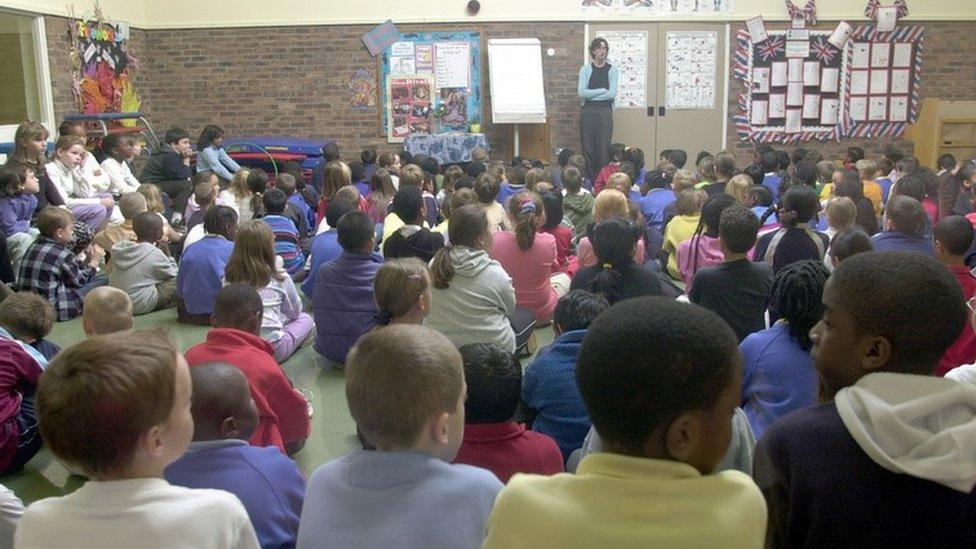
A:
(530, 257)
(702, 249)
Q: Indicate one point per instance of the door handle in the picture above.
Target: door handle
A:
(650, 111)
(661, 111)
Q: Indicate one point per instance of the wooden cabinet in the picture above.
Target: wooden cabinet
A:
(944, 127)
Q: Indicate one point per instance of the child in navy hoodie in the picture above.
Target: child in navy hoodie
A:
(268, 484)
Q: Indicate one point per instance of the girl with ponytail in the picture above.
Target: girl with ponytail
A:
(402, 292)
(795, 240)
(778, 373)
(702, 249)
(617, 276)
(529, 257)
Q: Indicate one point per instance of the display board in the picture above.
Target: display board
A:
(515, 75)
(453, 61)
(691, 69)
(628, 52)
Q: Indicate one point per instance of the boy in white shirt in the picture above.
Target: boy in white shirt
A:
(116, 408)
(118, 151)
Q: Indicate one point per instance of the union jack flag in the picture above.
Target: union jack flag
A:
(823, 50)
(772, 47)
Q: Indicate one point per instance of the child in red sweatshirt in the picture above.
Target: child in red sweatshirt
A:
(283, 411)
(491, 439)
(953, 237)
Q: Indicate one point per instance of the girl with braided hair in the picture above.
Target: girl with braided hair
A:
(778, 373)
(529, 257)
(616, 276)
(795, 240)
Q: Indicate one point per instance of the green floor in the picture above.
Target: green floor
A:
(333, 431)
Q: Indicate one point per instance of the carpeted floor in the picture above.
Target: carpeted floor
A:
(333, 431)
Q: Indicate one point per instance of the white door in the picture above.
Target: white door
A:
(25, 89)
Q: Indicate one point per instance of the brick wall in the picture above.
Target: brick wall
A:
(293, 80)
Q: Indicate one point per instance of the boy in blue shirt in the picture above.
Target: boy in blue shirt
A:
(285, 232)
(326, 245)
(202, 267)
(268, 484)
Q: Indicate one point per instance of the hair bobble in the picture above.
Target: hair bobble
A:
(608, 266)
(527, 206)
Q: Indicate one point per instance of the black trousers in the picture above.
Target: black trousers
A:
(596, 134)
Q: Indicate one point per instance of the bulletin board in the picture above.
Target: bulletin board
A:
(453, 61)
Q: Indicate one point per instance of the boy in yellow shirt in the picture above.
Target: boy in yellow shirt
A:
(868, 169)
(660, 380)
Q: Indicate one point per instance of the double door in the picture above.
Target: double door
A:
(645, 119)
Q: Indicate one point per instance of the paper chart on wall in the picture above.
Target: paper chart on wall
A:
(811, 106)
(648, 7)
(861, 56)
(452, 64)
(424, 58)
(811, 73)
(691, 70)
(879, 82)
(859, 82)
(402, 58)
(878, 109)
(779, 73)
(880, 55)
(760, 80)
(794, 94)
(628, 52)
(794, 121)
(859, 109)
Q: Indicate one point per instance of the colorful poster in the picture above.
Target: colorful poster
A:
(362, 90)
(651, 7)
(628, 52)
(453, 109)
(410, 107)
(452, 64)
(691, 70)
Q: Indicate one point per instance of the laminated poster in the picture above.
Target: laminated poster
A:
(902, 57)
(628, 52)
(900, 80)
(880, 55)
(691, 70)
(760, 80)
(777, 106)
(410, 107)
(899, 109)
(779, 74)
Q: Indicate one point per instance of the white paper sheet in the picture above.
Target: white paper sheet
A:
(795, 70)
(798, 34)
(887, 17)
(859, 82)
(794, 94)
(757, 29)
(859, 108)
(903, 55)
(794, 121)
(760, 113)
(811, 73)
(830, 80)
(401, 49)
(798, 48)
(402, 65)
(878, 109)
(452, 64)
(628, 52)
(760, 80)
(690, 64)
(900, 81)
(880, 55)
(879, 82)
(840, 36)
(861, 55)
(777, 106)
(828, 112)
(899, 109)
(811, 106)
(779, 76)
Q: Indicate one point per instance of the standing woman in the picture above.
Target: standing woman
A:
(597, 88)
(212, 157)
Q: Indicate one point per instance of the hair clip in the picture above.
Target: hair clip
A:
(607, 266)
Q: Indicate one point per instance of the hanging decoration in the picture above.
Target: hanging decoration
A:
(802, 17)
(886, 17)
(102, 65)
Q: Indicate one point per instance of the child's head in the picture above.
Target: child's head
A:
(635, 155)
(368, 156)
(867, 168)
(117, 406)
(238, 306)
(535, 176)
(461, 197)
(203, 191)
(487, 188)
(178, 138)
(783, 159)
(287, 183)
(238, 185)
(683, 180)
(528, 215)
(336, 176)
(945, 162)
(222, 404)
(953, 237)
(770, 161)
(677, 157)
(628, 167)
(683, 355)
(841, 213)
(390, 161)
(17, 179)
(56, 223)
(825, 172)
(106, 310)
(148, 227)
(849, 242)
(886, 312)
(454, 173)
(798, 155)
(689, 202)
(724, 166)
(479, 155)
(475, 169)
(706, 169)
(711, 213)
(494, 380)
(760, 196)
(132, 204)
(617, 151)
(577, 161)
(221, 220)
(408, 204)
(405, 389)
(411, 176)
(515, 175)
(338, 208)
(737, 229)
(738, 188)
(253, 259)
(118, 146)
(755, 172)
(805, 173)
(620, 182)
(357, 171)
(884, 166)
(468, 228)
(552, 203)
(656, 179)
(211, 135)
(381, 183)
(572, 179)
(795, 296)
(614, 243)
(355, 232)
(799, 205)
(154, 198)
(576, 310)
(402, 291)
(30, 143)
(69, 150)
(274, 201)
(905, 214)
(26, 316)
(854, 154)
(257, 181)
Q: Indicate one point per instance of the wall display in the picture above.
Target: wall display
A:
(801, 17)
(656, 6)
(628, 52)
(691, 69)
(452, 61)
(102, 66)
(410, 108)
(362, 90)
(886, 17)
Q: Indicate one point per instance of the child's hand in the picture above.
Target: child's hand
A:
(108, 202)
(95, 255)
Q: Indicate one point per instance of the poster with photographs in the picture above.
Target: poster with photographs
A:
(454, 104)
(656, 7)
(691, 69)
(410, 108)
(628, 52)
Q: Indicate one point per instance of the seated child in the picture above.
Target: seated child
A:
(297, 208)
(343, 301)
(283, 415)
(286, 235)
(736, 289)
(131, 205)
(887, 430)
(492, 440)
(868, 170)
(202, 266)
(953, 238)
(702, 249)
(513, 184)
(169, 169)
(51, 269)
(654, 484)
(761, 203)
(847, 243)
(904, 228)
(268, 484)
(405, 389)
(616, 156)
(402, 291)
(841, 213)
(608, 204)
(549, 387)
(118, 151)
(657, 200)
(487, 188)
(143, 269)
(325, 247)
(205, 189)
(577, 202)
(681, 227)
(778, 374)
(107, 310)
(29, 318)
(19, 376)
(412, 239)
(794, 240)
(616, 276)
(144, 381)
(552, 202)
(18, 187)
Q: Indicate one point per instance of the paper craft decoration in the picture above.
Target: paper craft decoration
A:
(411, 106)
(757, 29)
(691, 69)
(899, 109)
(901, 81)
(902, 57)
(797, 48)
(841, 35)
(879, 82)
(655, 7)
(861, 56)
(808, 15)
(878, 108)
(780, 75)
(880, 55)
(859, 108)
(777, 106)
(628, 52)
(794, 94)
(794, 121)
(102, 66)
(380, 37)
(795, 72)
(886, 16)
(828, 112)
(859, 82)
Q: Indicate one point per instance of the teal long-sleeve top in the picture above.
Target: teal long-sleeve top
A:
(598, 94)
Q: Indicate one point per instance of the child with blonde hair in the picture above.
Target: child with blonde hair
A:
(608, 204)
(682, 226)
(154, 203)
(738, 188)
(106, 310)
(402, 291)
(238, 195)
(487, 189)
(868, 170)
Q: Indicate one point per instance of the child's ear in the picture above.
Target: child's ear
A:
(875, 352)
(151, 443)
(229, 428)
(440, 429)
(683, 435)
